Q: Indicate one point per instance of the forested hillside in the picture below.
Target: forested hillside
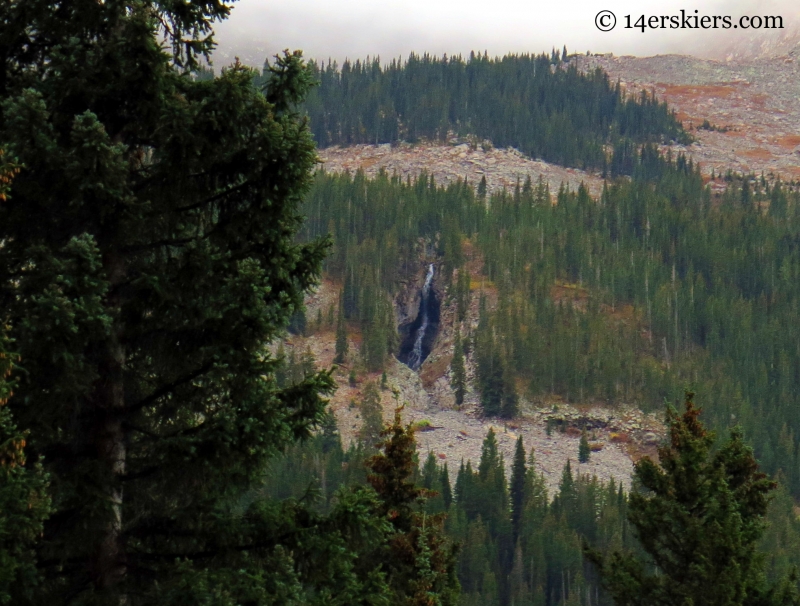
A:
(519, 544)
(165, 440)
(656, 286)
(540, 105)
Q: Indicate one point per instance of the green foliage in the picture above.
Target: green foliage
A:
(459, 374)
(447, 490)
(297, 323)
(24, 498)
(341, 335)
(495, 381)
(523, 101)
(419, 560)
(463, 291)
(584, 450)
(543, 563)
(379, 334)
(371, 416)
(698, 516)
(656, 285)
(517, 487)
(161, 262)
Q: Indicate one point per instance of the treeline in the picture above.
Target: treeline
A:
(630, 298)
(517, 543)
(540, 105)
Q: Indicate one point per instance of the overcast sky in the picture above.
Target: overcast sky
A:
(391, 28)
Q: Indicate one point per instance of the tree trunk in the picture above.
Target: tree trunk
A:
(109, 565)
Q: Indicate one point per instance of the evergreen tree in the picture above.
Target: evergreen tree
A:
(459, 373)
(584, 450)
(566, 501)
(517, 488)
(371, 416)
(297, 323)
(698, 516)
(430, 471)
(341, 335)
(24, 498)
(148, 258)
(419, 559)
(308, 365)
(563, 115)
(462, 295)
(510, 403)
(490, 373)
(447, 491)
(330, 438)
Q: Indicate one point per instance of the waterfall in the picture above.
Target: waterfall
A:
(415, 357)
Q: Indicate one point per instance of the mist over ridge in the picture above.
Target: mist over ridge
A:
(356, 29)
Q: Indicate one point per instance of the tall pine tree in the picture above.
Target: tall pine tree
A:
(148, 257)
(459, 373)
(698, 516)
(517, 488)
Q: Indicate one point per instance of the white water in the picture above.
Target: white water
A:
(415, 357)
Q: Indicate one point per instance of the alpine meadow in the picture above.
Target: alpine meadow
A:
(438, 331)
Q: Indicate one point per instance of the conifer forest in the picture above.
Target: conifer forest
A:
(163, 224)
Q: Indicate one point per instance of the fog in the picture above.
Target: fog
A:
(359, 28)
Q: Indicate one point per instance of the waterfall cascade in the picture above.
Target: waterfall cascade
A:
(415, 358)
(421, 333)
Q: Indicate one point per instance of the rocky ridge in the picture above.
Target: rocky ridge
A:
(457, 160)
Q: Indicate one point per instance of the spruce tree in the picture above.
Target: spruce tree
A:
(447, 491)
(698, 515)
(584, 450)
(482, 188)
(509, 406)
(430, 471)
(148, 257)
(462, 295)
(329, 436)
(517, 488)
(341, 335)
(419, 560)
(459, 373)
(24, 499)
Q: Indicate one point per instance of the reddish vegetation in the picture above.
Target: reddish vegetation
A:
(757, 154)
(789, 141)
(755, 100)
(702, 91)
